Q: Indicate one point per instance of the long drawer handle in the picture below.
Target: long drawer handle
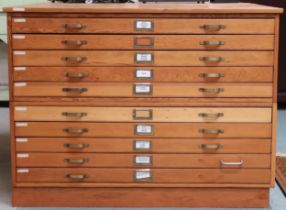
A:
(207, 131)
(76, 161)
(75, 90)
(76, 75)
(212, 43)
(211, 146)
(240, 163)
(211, 59)
(77, 176)
(211, 115)
(212, 27)
(76, 26)
(136, 115)
(76, 59)
(76, 146)
(75, 131)
(211, 90)
(211, 75)
(74, 114)
(75, 42)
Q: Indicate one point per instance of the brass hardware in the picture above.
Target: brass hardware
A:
(74, 114)
(142, 175)
(77, 59)
(146, 60)
(211, 146)
(214, 27)
(76, 161)
(143, 74)
(146, 130)
(207, 131)
(75, 131)
(144, 25)
(75, 90)
(212, 43)
(223, 163)
(211, 115)
(143, 92)
(149, 157)
(137, 45)
(211, 59)
(76, 146)
(74, 42)
(76, 26)
(76, 75)
(76, 176)
(211, 90)
(211, 75)
(148, 117)
(143, 145)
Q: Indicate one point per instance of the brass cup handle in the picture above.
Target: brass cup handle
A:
(74, 42)
(76, 146)
(211, 115)
(76, 59)
(77, 176)
(207, 131)
(211, 146)
(74, 114)
(76, 75)
(224, 163)
(75, 131)
(212, 43)
(74, 26)
(76, 161)
(212, 27)
(211, 90)
(75, 90)
(211, 59)
(211, 75)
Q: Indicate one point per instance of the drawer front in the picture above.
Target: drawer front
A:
(129, 42)
(143, 160)
(196, 176)
(138, 26)
(169, 130)
(143, 58)
(132, 74)
(149, 114)
(144, 145)
(262, 90)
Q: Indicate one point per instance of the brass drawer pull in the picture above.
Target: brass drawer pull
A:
(138, 45)
(76, 161)
(74, 114)
(76, 26)
(207, 131)
(146, 114)
(76, 176)
(74, 42)
(211, 90)
(212, 43)
(76, 75)
(211, 146)
(211, 59)
(76, 146)
(75, 90)
(211, 75)
(211, 115)
(223, 163)
(214, 27)
(75, 131)
(77, 59)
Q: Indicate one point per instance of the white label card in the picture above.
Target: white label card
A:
(144, 174)
(22, 140)
(22, 155)
(24, 124)
(21, 109)
(144, 129)
(143, 73)
(20, 171)
(144, 24)
(142, 145)
(143, 160)
(20, 68)
(144, 57)
(142, 88)
(20, 84)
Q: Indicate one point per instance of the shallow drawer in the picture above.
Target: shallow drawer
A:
(129, 42)
(143, 145)
(262, 90)
(215, 130)
(149, 114)
(204, 176)
(143, 58)
(156, 74)
(131, 25)
(143, 160)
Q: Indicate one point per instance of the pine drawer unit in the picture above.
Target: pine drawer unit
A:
(125, 105)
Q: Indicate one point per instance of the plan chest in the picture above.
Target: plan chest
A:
(143, 105)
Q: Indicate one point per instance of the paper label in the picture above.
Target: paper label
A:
(19, 9)
(144, 129)
(19, 36)
(143, 174)
(20, 68)
(21, 109)
(22, 155)
(21, 140)
(142, 88)
(19, 20)
(143, 73)
(19, 52)
(142, 145)
(21, 171)
(20, 84)
(144, 24)
(24, 124)
(143, 160)
(144, 57)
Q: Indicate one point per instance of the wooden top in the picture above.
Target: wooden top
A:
(191, 8)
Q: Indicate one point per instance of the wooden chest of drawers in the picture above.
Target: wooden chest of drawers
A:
(143, 105)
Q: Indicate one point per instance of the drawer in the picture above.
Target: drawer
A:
(104, 175)
(143, 160)
(132, 74)
(139, 26)
(142, 58)
(130, 42)
(169, 130)
(225, 90)
(143, 145)
(149, 114)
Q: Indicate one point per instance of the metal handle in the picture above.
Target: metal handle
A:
(75, 90)
(76, 26)
(138, 45)
(76, 75)
(211, 115)
(74, 42)
(212, 43)
(212, 27)
(211, 75)
(76, 161)
(211, 90)
(149, 115)
(76, 176)
(76, 146)
(207, 131)
(75, 131)
(211, 146)
(223, 163)
(74, 114)
(211, 59)
(77, 59)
